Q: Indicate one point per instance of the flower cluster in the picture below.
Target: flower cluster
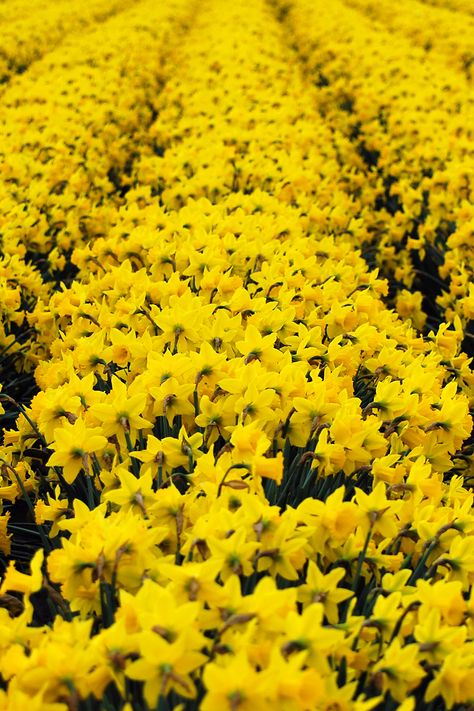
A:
(410, 114)
(437, 30)
(61, 179)
(456, 5)
(30, 30)
(232, 475)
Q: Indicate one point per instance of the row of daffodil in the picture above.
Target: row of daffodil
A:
(457, 5)
(250, 477)
(411, 116)
(31, 29)
(56, 175)
(441, 31)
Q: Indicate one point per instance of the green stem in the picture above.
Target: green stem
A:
(44, 539)
(361, 559)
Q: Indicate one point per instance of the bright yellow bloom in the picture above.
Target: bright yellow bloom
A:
(72, 445)
(237, 685)
(399, 669)
(323, 588)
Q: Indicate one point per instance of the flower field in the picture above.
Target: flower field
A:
(236, 335)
